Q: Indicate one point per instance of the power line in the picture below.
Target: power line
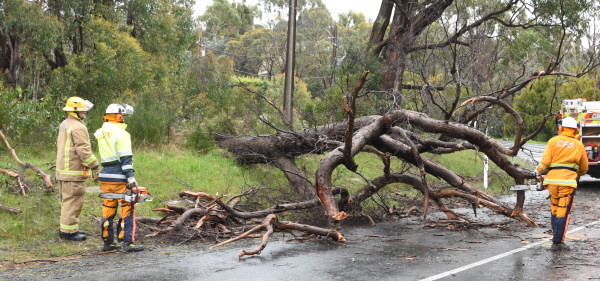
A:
(266, 57)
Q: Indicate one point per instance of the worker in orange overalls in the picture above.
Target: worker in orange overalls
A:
(117, 176)
(564, 160)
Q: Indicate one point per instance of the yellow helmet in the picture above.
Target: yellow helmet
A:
(78, 104)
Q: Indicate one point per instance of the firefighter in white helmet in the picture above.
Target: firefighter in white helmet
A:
(117, 176)
(75, 163)
(564, 160)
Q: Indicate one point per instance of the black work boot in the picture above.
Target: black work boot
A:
(109, 246)
(76, 236)
(132, 247)
(559, 247)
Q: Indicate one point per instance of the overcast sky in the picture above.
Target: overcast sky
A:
(368, 8)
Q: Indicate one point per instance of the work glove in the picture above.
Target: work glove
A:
(95, 172)
(131, 182)
(537, 175)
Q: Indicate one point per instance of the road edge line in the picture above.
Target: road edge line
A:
(499, 256)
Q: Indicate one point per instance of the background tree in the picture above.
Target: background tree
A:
(26, 32)
(534, 103)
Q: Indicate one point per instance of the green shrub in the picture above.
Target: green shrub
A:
(28, 122)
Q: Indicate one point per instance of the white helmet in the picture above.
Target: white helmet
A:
(124, 109)
(569, 122)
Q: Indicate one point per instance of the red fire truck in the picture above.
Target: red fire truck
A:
(587, 113)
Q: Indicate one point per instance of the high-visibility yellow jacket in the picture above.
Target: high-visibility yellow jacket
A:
(565, 159)
(74, 156)
(116, 155)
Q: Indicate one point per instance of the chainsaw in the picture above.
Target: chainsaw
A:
(532, 185)
(137, 194)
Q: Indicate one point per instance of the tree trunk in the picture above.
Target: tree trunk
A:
(409, 20)
(376, 40)
(301, 184)
(10, 57)
(398, 43)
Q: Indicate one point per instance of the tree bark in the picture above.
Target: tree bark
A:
(270, 224)
(336, 157)
(10, 56)
(295, 177)
(380, 26)
(263, 149)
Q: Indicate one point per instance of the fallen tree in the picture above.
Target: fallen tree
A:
(386, 136)
(383, 134)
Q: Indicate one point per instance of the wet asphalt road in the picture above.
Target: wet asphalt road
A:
(501, 249)
(402, 250)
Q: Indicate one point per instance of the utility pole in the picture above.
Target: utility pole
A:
(290, 65)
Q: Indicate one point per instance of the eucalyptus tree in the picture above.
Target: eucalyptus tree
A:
(229, 20)
(258, 52)
(316, 38)
(424, 28)
(27, 32)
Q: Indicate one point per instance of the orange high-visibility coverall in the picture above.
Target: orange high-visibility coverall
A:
(565, 160)
(116, 156)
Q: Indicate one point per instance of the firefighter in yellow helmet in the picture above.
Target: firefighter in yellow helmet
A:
(564, 160)
(75, 163)
(117, 176)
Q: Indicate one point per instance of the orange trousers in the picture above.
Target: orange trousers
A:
(561, 205)
(126, 224)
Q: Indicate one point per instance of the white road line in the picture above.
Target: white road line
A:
(496, 257)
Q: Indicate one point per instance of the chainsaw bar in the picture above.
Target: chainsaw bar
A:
(533, 187)
(110, 195)
(137, 198)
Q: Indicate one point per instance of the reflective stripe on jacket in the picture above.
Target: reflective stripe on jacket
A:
(74, 151)
(114, 144)
(565, 159)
